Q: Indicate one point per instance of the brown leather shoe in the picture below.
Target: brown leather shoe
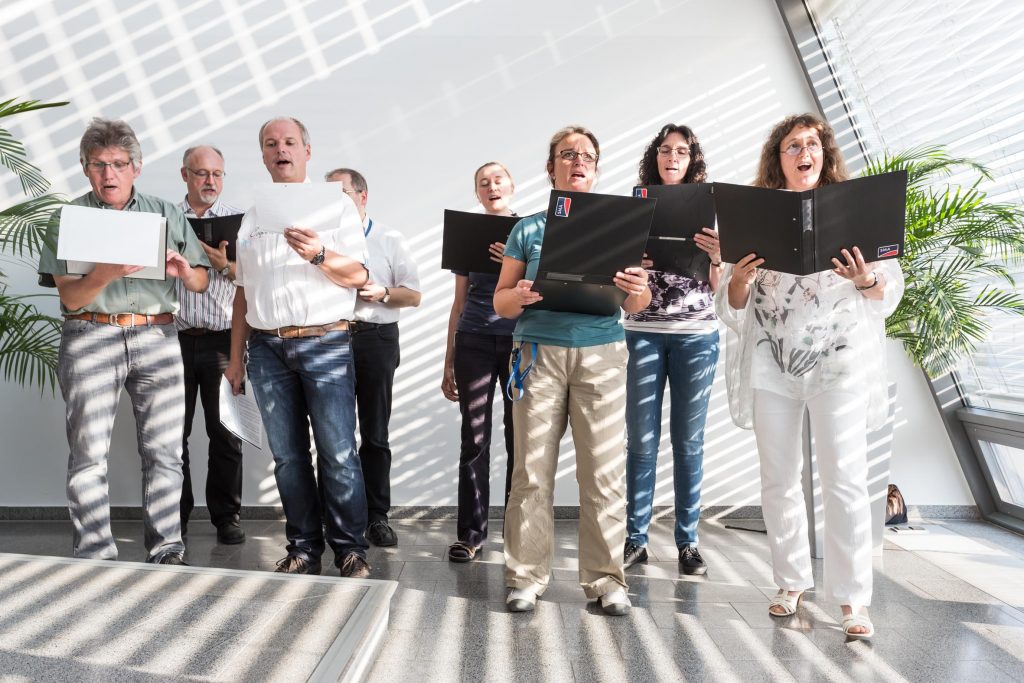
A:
(354, 566)
(293, 564)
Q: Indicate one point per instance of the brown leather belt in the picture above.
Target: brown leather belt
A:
(124, 319)
(294, 331)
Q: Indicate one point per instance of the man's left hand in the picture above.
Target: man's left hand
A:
(304, 241)
(371, 292)
(177, 266)
(218, 257)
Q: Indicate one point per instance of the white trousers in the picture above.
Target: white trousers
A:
(839, 429)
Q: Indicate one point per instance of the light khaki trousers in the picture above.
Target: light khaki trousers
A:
(584, 388)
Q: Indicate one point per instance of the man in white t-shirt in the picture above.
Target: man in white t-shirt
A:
(296, 294)
(394, 283)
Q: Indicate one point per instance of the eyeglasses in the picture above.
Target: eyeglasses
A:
(572, 155)
(100, 166)
(681, 152)
(350, 191)
(204, 174)
(795, 149)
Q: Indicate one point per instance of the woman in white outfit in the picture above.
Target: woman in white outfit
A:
(811, 343)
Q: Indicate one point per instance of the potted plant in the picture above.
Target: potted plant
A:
(28, 338)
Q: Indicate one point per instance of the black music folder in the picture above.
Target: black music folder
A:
(801, 232)
(215, 229)
(681, 212)
(467, 238)
(587, 239)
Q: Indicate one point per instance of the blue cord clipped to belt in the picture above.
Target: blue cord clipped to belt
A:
(518, 374)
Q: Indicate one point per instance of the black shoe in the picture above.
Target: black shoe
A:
(230, 533)
(690, 561)
(173, 559)
(354, 566)
(293, 564)
(381, 534)
(633, 554)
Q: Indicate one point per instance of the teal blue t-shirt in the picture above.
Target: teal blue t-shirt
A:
(574, 330)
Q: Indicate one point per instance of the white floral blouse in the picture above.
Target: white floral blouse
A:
(801, 335)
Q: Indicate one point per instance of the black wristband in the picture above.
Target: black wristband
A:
(873, 284)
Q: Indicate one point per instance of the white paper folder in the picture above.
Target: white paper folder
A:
(89, 236)
(317, 206)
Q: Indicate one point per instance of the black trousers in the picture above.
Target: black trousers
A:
(376, 355)
(481, 361)
(205, 358)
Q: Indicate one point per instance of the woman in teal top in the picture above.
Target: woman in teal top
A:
(576, 375)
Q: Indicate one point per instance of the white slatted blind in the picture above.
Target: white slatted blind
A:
(949, 72)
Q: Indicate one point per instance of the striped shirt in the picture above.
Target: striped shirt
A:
(211, 309)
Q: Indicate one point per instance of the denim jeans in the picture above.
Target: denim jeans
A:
(94, 363)
(298, 383)
(688, 362)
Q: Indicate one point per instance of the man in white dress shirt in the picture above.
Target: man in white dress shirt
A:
(394, 283)
(296, 294)
(204, 332)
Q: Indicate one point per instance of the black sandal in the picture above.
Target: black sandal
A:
(462, 552)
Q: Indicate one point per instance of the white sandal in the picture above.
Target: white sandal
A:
(853, 620)
(787, 602)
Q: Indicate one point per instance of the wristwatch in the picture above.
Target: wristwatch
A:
(387, 296)
(225, 270)
(319, 258)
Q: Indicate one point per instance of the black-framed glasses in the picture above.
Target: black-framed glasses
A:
(100, 166)
(572, 155)
(796, 149)
(681, 152)
(204, 174)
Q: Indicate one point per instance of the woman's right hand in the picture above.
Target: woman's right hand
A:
(524, 295)
(743, 274)
(497, 251)
(448, 386)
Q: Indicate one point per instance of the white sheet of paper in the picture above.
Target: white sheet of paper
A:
(240, 414)
(157, 272)
(105, 236)
(317, 206)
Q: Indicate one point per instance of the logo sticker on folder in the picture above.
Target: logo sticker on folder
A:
(562, 207)
(889, 251)
(640, 192)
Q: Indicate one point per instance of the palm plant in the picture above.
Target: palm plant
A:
(28, 338)
(958, 247)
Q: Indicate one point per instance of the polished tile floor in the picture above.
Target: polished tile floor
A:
(948, 606)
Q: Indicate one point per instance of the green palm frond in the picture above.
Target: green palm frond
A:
(28, 343)
(957, 243)
(28, 339)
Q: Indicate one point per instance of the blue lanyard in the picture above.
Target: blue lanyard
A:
(369, 227)
(518, 375)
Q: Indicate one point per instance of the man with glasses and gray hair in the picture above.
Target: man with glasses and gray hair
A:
(204, 332)
(119, 332)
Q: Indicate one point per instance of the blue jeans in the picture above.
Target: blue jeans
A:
(312, 379)
(688, 362)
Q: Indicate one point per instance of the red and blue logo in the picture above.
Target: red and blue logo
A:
(889, 251)
(562, 207)
(640, 192)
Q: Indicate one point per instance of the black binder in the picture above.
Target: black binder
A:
(681, 212)
(213, 230)
(801, 232)
(467, 238)
(587, 239)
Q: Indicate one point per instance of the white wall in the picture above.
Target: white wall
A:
(416, 95)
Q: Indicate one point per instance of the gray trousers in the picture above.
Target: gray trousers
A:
(95, 362)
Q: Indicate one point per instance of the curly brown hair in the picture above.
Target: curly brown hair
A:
(769, 169)
(696, 172)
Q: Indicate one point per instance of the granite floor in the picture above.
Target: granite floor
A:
(948, 606)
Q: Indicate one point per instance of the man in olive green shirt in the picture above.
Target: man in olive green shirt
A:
(119, 332)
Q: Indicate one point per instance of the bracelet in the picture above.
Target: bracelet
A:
(716, 265)
(873, 284)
